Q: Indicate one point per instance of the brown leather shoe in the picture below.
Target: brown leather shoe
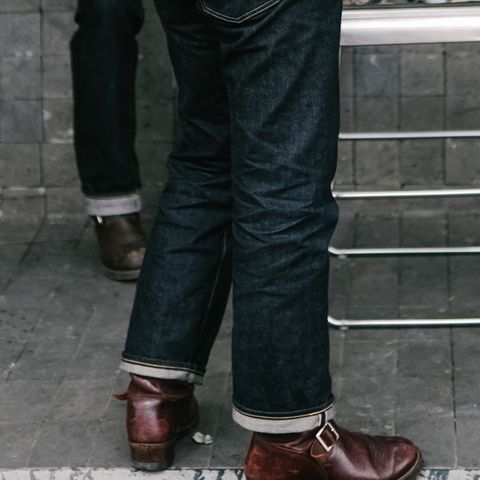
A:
(331, 453)
(159, 412)
(122, 245)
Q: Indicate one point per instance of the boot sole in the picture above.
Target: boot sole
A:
(121, 275)
(152, 457)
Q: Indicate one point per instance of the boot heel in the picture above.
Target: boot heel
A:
(152, 456)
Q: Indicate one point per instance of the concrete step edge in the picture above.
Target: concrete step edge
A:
(183, 474)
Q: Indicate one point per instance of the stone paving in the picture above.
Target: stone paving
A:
(62, 326)
(185, 474)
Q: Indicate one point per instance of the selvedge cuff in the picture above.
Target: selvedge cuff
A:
(163, 372)
(108, 206)
(293, 424)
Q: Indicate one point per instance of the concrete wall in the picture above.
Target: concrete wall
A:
(413, 87)
(388, 88)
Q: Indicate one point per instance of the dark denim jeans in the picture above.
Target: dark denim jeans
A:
(104, 59)
(258, 99)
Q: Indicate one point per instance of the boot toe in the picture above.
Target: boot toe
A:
(407, 459)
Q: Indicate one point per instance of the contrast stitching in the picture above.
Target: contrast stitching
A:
(414, 469)
(320, 412)
(166, 367)
(241, 18)
(114, 197)
(217, 277)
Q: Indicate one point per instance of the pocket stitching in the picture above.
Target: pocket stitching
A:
(241, 18)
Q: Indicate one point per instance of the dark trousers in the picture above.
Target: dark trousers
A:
(104, 59)
(258, 99)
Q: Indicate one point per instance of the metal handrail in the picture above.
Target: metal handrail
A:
(429, 24)
(344, 324)
(391, 194)
(422, 135)
(365, 252)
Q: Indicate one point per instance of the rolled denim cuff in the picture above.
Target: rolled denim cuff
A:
(293, 424)
(107, 206)
(162, 372)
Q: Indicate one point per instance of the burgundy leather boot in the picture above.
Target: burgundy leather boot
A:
(159, 412)
(331, 453)
(122, 245)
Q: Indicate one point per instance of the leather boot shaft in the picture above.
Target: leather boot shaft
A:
(122, 245)
(158, 410)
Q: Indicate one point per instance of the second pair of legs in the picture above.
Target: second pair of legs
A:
(160, 412)
(104, 57)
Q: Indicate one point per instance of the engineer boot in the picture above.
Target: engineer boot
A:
(331, 453)
(159, 412)
(122, 245)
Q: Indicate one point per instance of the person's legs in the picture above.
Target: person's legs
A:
(104, 59)
(272, 81)
(281, 70)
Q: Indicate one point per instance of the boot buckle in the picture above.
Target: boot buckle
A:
(332, 429)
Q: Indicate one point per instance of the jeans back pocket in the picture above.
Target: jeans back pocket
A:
(235, 11)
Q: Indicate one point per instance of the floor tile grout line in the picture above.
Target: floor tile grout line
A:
(25, 253)
(395, 403)
(454, 400)
(449, 264)
(30, 334)
(32, 241)
(79, 346)
(42, 221)
(15, 244)
(343, 336)
(398, 264)
(40, 316)
(348, 261)
(82, 234)
(217, 420)
(60, 384)
(452, 343)
(102, 420)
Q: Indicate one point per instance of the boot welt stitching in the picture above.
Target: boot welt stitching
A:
(413, 470)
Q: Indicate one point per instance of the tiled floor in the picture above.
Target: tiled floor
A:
(62, 325)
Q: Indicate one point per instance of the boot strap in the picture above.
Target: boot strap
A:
(332, 430)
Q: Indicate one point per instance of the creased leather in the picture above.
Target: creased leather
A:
(121, 241)
(158, 410)
(354, 456)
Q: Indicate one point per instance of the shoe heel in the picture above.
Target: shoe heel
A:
(152, 456)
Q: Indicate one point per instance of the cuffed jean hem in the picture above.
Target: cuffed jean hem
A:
(163, 372)
(293, 424)
(118, 205)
